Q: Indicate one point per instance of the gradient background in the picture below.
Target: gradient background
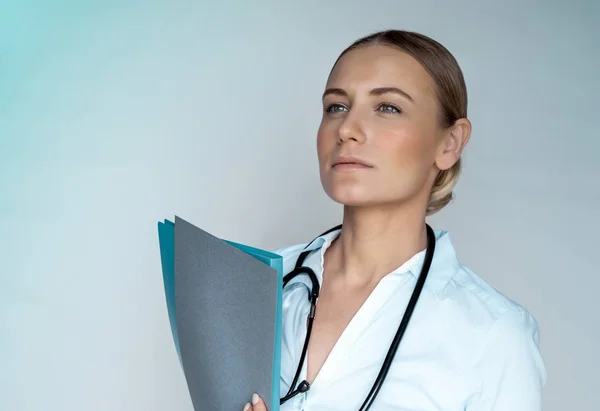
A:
(117, 114)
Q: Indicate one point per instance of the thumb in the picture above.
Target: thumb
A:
(257, 404)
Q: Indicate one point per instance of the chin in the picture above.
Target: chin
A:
(351, 196)
(366, 195)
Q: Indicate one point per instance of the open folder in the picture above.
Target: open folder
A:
(224, 306)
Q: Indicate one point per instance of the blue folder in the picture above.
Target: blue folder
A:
(201, 274)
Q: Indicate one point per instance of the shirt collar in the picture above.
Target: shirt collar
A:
(443, 266)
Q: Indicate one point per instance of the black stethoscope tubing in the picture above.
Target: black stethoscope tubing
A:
(313, 296)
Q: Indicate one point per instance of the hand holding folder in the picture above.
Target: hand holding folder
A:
(224, 306)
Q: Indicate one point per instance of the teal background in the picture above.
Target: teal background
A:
(115, 114)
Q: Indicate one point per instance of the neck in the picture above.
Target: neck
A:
(375, 242)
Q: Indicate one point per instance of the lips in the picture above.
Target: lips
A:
(350, 161)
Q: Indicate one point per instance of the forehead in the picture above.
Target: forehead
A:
(372, 66)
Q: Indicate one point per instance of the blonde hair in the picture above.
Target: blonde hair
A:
(442, 191)
(451, 92)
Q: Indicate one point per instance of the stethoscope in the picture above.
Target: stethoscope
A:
(313, 296)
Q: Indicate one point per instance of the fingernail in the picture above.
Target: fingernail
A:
(247, 406)
(255, 399)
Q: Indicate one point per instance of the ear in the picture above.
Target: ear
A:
(453, 142)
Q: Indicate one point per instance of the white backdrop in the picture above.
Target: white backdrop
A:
(114, 115)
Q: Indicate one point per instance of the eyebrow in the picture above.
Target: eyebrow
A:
(375, 92)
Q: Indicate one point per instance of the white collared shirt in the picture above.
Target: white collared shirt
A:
(467, 347)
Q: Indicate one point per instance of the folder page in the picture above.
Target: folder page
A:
(275, 261)
(166, 240)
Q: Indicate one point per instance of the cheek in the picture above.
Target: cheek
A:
(325, 142)
(406, 149)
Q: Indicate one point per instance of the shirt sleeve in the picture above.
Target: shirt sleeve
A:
(511, 366)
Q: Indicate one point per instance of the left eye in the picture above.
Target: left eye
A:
(388, 108)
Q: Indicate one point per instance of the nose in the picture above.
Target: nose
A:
(351, 129)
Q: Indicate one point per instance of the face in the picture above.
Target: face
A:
(380, 139)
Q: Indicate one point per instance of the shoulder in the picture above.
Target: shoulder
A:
(462, 294)
(477, 298)
(290, 254)
(502, 331)
(504, 350)
(481, 319)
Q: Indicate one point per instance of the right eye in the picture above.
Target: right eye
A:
(334, 108)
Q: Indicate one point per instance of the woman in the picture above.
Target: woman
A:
(389, 147)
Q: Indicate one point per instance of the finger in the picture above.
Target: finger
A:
(248, 407)
(258, 404)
